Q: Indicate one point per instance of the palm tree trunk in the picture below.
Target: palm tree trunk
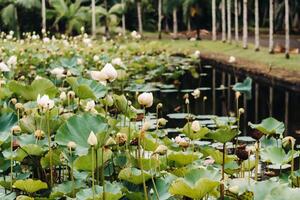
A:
(223, 21)
(123, 19)
(271, 26)
(44, 15)
(159, 18)
(175, 27)
(245, 24)
(139, 13)
(189, 24)
(106, 20)
(214, 21)
(256, 25)
(229, 21)
(287, 29)
(236, 21)
(93, 19)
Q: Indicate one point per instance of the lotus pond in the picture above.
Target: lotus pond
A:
(84, 119)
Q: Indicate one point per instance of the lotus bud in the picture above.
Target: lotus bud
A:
(162, 122)
(288, 140)
(241, 111)
(186, 96)
(187, 101)
(121, 138)
(19, 106)
(204, 98)
(39, 134)
(69, 73)
(237, 95)
(71, 94)
(14, 101)
(96, 58)
(71, 145)
(181, 142)
(197, 54)
(146, 99)
(161, 149)
(92, 139)
(196, 93)
(63, 96)
(90, 105)
(232, 59)
(109, 100)
(159, 106)
(145, 126)
(195, 126)
(16, 129)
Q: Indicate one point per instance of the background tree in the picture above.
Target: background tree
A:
(236, 21)
(256, 25)
(44, 15)
(93, 5)
(223, 10)
(245, 24)
(159, 18)
(271, 26)
(214, 21)
(229, 21)
(139, 16)
(10, 15)
(287, 29)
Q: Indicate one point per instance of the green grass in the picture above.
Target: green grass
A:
(211, 47)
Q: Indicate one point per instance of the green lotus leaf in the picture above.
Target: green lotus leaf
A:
(113, 191)
(23, 197)
(197, 183)
(77, 129)
(248, 165)
(240, 185)
(217, 155)
(30, 186)
(277, 155)
(10, 196)
(84, 163)
(28, 150)
(45, 161)
(274, 190)
(7, 121)
(133, 175)
(86, 88)
(244, 87)
(195, 135)
(269, 126)
(30, 92)
(66, 188)
(150, 163)
(183, 158)
(223, 135)
(163, 184)
(4, 92)
(122, 105)
(149, 143)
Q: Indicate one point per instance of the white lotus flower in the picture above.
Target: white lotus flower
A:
(58, 72)
(90, 105)
(110, 72)
(146, 99)
(99, 76)
(117, 61)
(45, 102)
(92, 139)
(46, 40)
(63, 96)
(145, 127)
(4, 67)
(232, 59)
(161, 149)
(12, 61)
(196, 93)
(96, 58)
(197, 54)
(195, 126)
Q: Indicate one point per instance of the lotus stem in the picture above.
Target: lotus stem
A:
(223, 171)
(72, 173)
(153, 182)
(103, 178)
(93, 175)
(11, 160)
(249, 175)
(256, 160)
(50, 149)
(142, 170)
(293, 160)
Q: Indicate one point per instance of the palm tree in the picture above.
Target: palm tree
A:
(9, 12)
(223, 21)
(236, 21)
(68, 16)
(245, 24)
(256, 25)
(139, 16)
(44, 15)
(159, 18)
(214, 23)
(287, 29)
(271, 26)
(229, 21)
(93, 18)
